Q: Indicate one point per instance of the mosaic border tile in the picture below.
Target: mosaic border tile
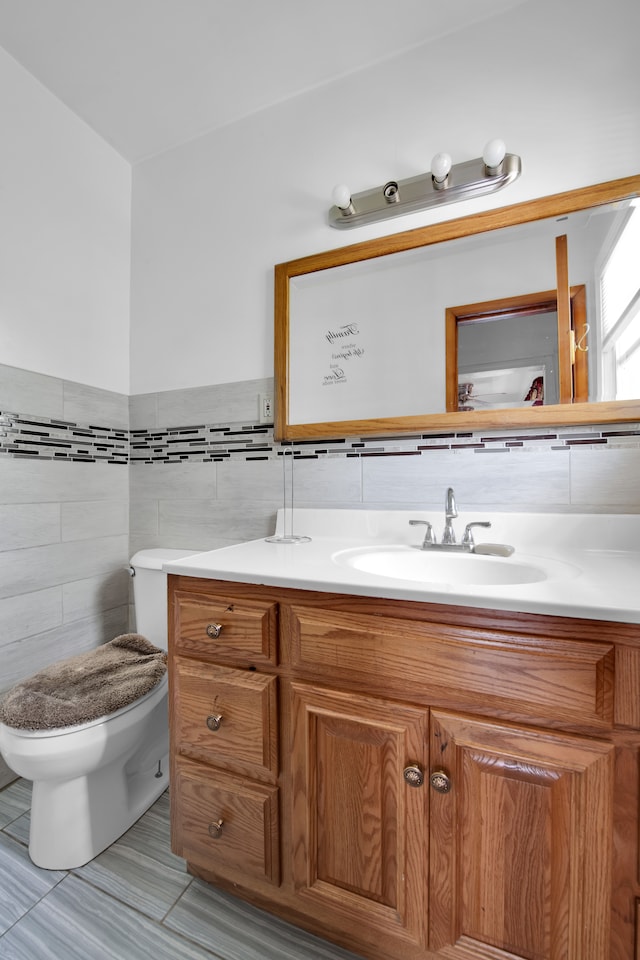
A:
(41, 438)
(35, 437)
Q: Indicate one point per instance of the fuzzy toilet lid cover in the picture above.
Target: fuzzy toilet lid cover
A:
(85, 687)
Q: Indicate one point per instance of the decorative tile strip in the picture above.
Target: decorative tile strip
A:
(40, 438)
(36, 437)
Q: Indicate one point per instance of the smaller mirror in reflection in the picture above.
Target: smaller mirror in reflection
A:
(503, 389)
(508, 361)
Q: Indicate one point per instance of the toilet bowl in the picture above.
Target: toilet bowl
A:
(92, 781)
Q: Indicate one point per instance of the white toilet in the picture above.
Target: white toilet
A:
(92, 781)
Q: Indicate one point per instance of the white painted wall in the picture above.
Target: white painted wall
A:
(65, 227)
(558, 81)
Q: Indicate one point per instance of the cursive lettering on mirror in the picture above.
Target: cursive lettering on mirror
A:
(348, 330)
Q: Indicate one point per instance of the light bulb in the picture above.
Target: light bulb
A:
(341, 196)
(494, 153)
(440, 167)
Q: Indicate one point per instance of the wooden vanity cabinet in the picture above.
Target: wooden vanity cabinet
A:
(224, 735)
(440, 782)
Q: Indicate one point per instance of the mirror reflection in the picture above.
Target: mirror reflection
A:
(509, 351)
(548, 313)
(509, 360)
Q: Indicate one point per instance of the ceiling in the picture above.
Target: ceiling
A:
(147, 75)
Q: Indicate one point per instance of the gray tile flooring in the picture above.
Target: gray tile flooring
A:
(133, 902)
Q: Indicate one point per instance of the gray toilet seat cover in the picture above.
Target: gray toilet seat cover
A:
(85, 687)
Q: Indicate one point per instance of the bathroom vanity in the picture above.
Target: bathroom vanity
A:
(414, 770)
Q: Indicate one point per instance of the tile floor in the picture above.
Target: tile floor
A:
(133, 902)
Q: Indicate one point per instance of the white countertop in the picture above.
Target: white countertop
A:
(591, 562)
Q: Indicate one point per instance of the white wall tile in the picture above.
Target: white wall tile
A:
(208, 520)
(143, 411)
(89, 597)
(602, 478)
(253, 480)
(23, 571)
(22, 391)
(143, 518)
(219, 403)
(502, 480)
(172, 480)
(328, 480)
(323, 480)
(92, 405)
(27, 614)
(28, 481)
(29, 525)
(87, 519)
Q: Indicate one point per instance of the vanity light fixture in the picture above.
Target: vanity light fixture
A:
(445, 183)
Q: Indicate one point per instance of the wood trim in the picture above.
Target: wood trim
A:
(451, 319)
(524, 305)
(565, 378)
(558, 415)
(581, 344)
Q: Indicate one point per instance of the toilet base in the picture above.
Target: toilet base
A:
(72, 821)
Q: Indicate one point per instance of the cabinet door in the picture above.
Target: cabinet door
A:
(359, 829)
(521, 844)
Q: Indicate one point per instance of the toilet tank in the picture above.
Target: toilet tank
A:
(150, 592)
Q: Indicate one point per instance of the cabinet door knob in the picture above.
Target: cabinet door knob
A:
(214, 630)
(215, 829)
(440, 781)
(413, 775)
(214, 721)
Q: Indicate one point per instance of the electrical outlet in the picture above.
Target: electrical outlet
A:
(265, 408)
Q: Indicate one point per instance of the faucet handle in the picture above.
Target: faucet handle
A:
(467, 537)
(429, 538)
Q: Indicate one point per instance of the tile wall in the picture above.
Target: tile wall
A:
(204, 474)
(64, 523)
(87, 477)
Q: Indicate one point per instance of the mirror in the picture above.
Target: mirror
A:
(367, 340)
(506, 353)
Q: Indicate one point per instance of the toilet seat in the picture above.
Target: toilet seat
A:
(158, 691)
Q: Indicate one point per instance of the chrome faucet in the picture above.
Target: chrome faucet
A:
(450, 513)
(449, 542)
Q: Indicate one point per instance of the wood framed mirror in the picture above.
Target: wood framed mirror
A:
(363, 335)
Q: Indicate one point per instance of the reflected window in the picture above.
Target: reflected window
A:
(619, 309)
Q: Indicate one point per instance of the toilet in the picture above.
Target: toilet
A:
(93, 780)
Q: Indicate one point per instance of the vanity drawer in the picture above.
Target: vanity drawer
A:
(245, 844)
(547, 679)
(225, 717)
(228, 630)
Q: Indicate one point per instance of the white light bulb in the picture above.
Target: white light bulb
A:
(440, 167)
(494, 153)
(341, 196)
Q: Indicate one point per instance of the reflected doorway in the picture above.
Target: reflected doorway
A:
(511, 352)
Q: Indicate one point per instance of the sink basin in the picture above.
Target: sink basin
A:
(455, 569)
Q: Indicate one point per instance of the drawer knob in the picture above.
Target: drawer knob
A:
(413, 775)
(440, 781)
(214, 630)
(214, 721)
(215, 829)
